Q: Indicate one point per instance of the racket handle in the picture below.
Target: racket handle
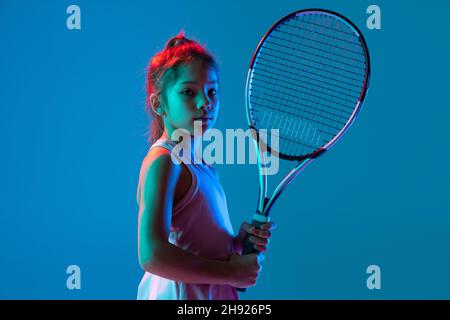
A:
(248, 247)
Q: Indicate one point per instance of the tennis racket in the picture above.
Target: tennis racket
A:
(307, 80)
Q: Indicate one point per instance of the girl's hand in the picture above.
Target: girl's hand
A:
(259, 237)
(243, 270)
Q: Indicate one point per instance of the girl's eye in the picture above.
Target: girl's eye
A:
(213, 92)
(188, 92)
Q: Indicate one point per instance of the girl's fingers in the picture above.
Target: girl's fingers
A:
(260, 248)
(262, 233)
(258, 241)
(268, 226)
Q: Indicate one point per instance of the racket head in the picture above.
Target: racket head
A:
(310, 70)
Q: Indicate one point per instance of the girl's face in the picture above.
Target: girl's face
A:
(192, 97)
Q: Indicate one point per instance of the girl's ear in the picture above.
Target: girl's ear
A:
(155, 104)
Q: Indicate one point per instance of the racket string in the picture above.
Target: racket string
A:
(320, 56)
(305, 82)
(311, 89)
(309, 66)
(310, 112)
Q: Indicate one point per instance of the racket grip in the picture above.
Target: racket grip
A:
(248, 247)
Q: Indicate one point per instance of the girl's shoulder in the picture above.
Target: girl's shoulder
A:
(159, 157)
(157, 169)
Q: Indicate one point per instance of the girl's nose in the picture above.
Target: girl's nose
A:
(207, 105)
(205, 102)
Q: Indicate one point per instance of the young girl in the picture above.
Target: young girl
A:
(185, 238)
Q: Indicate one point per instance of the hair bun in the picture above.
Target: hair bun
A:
(177, 40)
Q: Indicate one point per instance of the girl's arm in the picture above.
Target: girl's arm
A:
(159, 176)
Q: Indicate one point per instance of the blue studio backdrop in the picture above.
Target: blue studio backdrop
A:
(72, 134)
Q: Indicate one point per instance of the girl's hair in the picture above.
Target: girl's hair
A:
(162, 71)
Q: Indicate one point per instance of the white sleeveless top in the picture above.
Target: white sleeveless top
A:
(201, 226)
